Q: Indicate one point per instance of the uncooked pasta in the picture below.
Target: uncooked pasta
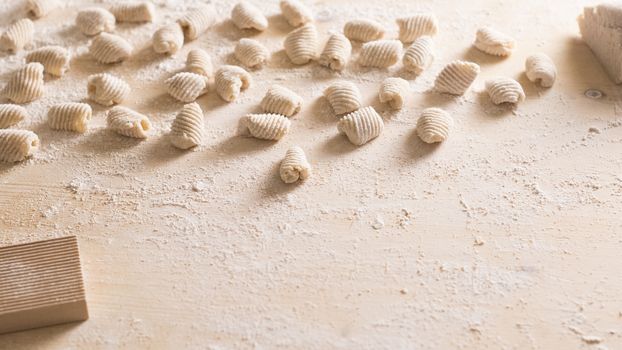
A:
(336, 52)
(18, 35)
(70, 116)
(281, 100)
(301, 44)
(107, 89)
(294, 166)
(110, 48)
(264, 126)
(187, 128)
(361, 126)
(127, 122)
(55, 59)
(230, 81)
(26, 84)
(17, 145)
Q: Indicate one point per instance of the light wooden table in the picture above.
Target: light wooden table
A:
(507, 236)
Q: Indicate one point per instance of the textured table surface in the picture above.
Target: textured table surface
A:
(507, 236)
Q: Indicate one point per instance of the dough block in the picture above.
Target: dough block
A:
(41, 285)
(601, 29)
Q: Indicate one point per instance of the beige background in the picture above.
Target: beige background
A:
(507, 236)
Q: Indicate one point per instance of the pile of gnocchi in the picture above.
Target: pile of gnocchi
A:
(359, 123)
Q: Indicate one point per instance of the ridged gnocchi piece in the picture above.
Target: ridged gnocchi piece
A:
(394, 91)
(55, 59)
(456, 77)
(197, 21)
(493, 42)
(281, 100)
(541, 70)
(343, 96)
(110, 48)
(380, 53)
(127, 122)
(187, 128)
(251, 53)
(134, 12)
(186, 87)
(504, 90)
(420, 55)
(434, 125)
(11, 114)
(17, 35)
(17, 145)
(246, 16)
(301, 44)
(295, 12)
(107, 89)
(26, 84)
(361, 126)
(168, 39)
(70, 117)
(40, 8)
(94, 20)
(363, 30)
(264, 126)
(417, 26)
(294, 166)
(336, 53)
(199, 62)
(230, 81)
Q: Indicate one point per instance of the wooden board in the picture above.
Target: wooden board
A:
(504, 237)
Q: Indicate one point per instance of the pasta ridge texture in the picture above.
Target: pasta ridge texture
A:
(55, 59)
(456, 77)
(18, 35)
(301, 44)
(186, 87)
(187, 128)
(17, 145)
(40, 8)
(168, 39)
(294, 166)
(127, 122)
(361, 126)
(295, 12)
(505, 90)
(363, 30)
(106, 89)
(26, 84)
(336, 53)
(380, 53)
(198, 20)
(434, 125)
(419, 55)
(343, 96)
(11, 114)
(110, 48)
(540, 69)
(94, 20)
(394, 91)
(134, 12)
(416, 26)
(246, 16)
(70, 117)
(251, 53)
(230, 81)
(281, 100)
(199, 62)
(493, 42)
(264, 126)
